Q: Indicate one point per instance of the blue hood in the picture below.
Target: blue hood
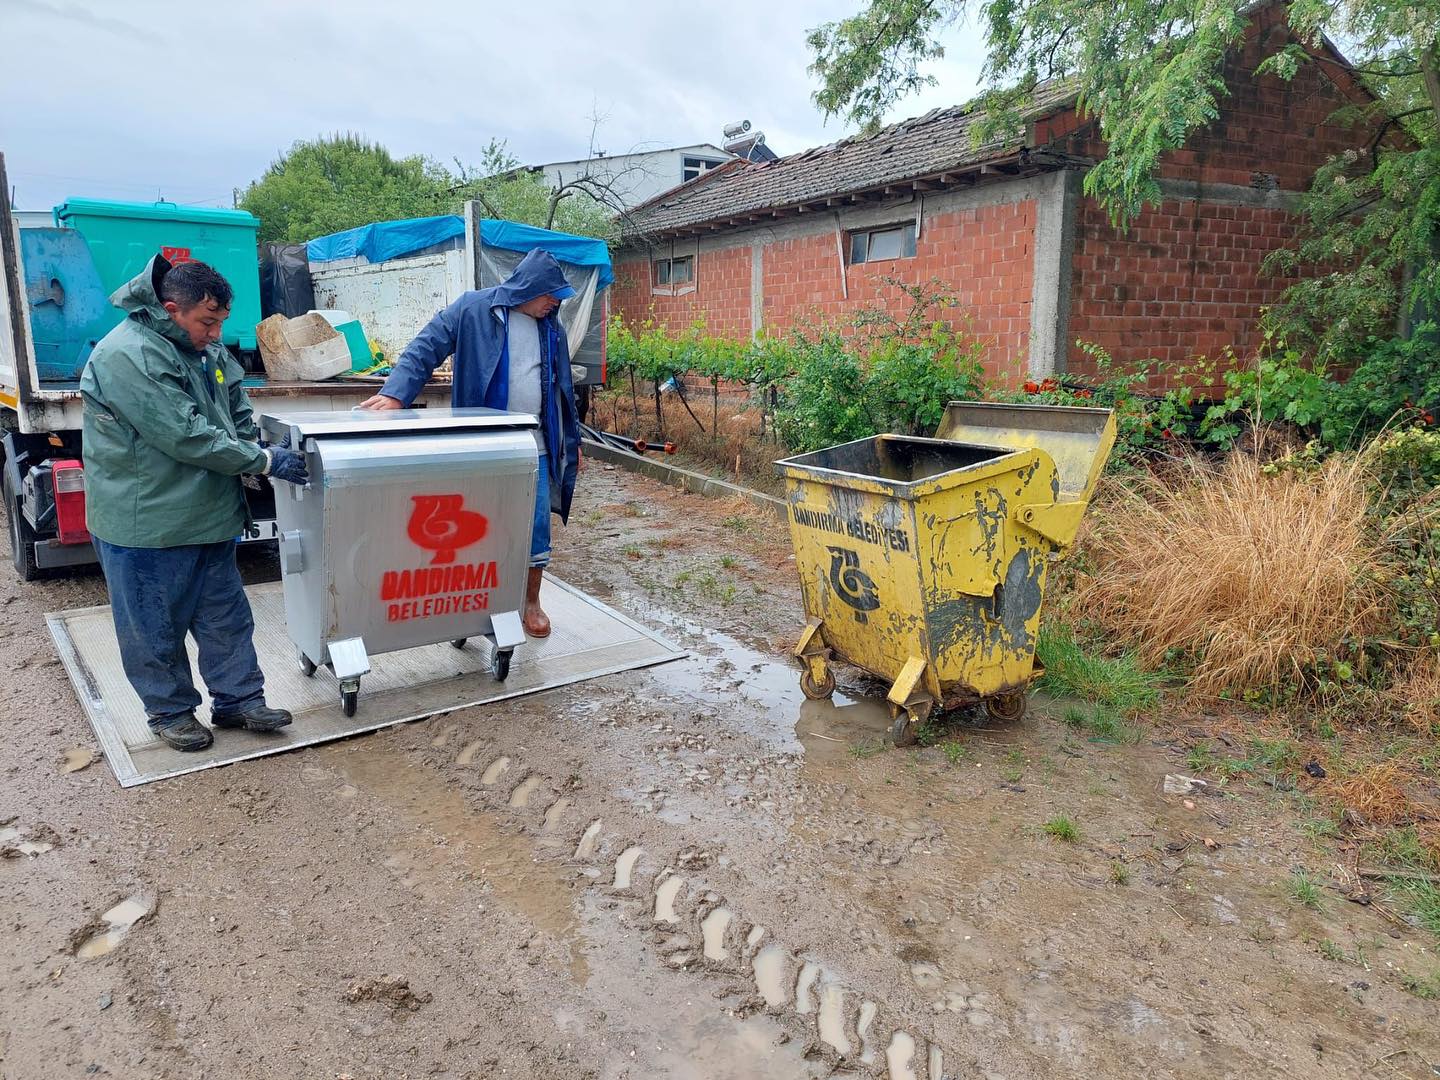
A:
(537, 274)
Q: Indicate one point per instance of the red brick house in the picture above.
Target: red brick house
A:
(1034, 263)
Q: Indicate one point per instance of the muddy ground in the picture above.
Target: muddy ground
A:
(450, 899)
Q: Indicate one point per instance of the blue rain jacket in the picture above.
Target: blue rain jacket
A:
(475, 330)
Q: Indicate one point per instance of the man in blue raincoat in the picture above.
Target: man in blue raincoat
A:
(510, 353)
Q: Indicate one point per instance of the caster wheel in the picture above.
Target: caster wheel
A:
(349, 699)
(1007, 707)
(500, 666)
(817, 691)
(459, 642)
(903, 732)
(307, 666)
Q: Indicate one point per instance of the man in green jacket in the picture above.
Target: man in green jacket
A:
(168, 433)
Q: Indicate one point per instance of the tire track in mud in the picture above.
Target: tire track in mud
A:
(693, 928)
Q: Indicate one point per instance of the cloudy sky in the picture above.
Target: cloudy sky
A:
(143, 99)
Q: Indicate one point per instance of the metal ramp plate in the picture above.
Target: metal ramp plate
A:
(589, 640)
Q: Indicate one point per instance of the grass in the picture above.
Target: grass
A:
(1421, 899)
(1117, 682)
(728, 562)
(1062, 828)
(707, 585)
(1119, 873)
(1014, 767)
(1320, 828)
(1427, 989)
(738, 523)
(1304, 890)
(1103, 724)
(1330, 951)
(1251, 576)
(929, 733)
(633, 551)
(868, 748)
(954, 752)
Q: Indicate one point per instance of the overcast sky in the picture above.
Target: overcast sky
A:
(139, 99)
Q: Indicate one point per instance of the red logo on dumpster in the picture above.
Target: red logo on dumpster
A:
(441, 524)
(176, 255)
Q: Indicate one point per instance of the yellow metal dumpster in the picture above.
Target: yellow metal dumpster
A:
(923, 561)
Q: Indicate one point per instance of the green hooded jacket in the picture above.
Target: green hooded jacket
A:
(168, 431)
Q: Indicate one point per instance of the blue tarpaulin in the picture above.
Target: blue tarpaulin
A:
(392, 239)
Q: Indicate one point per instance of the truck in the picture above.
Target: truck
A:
(54, 306)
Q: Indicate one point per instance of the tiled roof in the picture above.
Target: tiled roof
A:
(925, 146)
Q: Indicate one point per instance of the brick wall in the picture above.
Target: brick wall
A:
(983, 257)
(1185, 281)
(721, 295)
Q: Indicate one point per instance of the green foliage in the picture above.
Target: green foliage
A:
(1117, 683)
(1063, 828)
(1426, 988)
(324, 185)
(1304, 890)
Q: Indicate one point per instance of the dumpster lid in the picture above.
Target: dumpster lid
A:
(395, 421)
(1079, 440)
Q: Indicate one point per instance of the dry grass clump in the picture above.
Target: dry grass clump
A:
(1414, 694)
(1254, 576)
(1379, 793)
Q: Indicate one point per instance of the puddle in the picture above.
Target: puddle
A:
(868, 1009)
(119, 919)
(440, 740)
(554, 814)
(82, 757)
(10, 838)
(937, 1063)
(665, 900)
(713, 930)
(468, 752)
(770, 964)
(502, 859)
(804, 1003)
(757, 932)
(832, 1017)
(521, 795)
(899, 1056)
(588, 841)
(625, 866)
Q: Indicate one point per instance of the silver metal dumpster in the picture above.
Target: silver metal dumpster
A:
(414, 529)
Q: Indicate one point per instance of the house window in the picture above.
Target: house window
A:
(891, 242)
(691, 167)
(677, 271)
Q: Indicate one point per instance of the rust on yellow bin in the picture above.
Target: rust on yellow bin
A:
(923, 561)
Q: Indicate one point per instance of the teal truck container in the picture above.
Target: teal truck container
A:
(123, 236)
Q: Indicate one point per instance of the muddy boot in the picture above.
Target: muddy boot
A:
(534, 619)
(183, 732)
(255, 718)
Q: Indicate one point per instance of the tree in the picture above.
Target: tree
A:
(342, 182)
(1151, 73)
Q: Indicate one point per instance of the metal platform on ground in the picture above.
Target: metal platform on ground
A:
(589, 640)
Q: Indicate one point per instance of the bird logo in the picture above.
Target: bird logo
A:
(850, 583)
(443, 525)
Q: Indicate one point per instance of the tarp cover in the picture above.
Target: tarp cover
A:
(386, 240)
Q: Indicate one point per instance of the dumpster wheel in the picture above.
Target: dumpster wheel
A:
(817, 691)
(906, 729)
(500, 665)
(349, 697)
(307, 666)
(1007, 707)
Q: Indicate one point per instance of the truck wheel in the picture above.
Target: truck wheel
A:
(22, 537)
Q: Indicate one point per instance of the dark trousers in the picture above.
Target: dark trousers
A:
(157, 595)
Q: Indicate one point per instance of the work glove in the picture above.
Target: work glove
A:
(287, 465)
(283, 442)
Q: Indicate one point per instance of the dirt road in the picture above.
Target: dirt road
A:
(685, 872)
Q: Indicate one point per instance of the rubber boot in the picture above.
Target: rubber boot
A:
(533, 618)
